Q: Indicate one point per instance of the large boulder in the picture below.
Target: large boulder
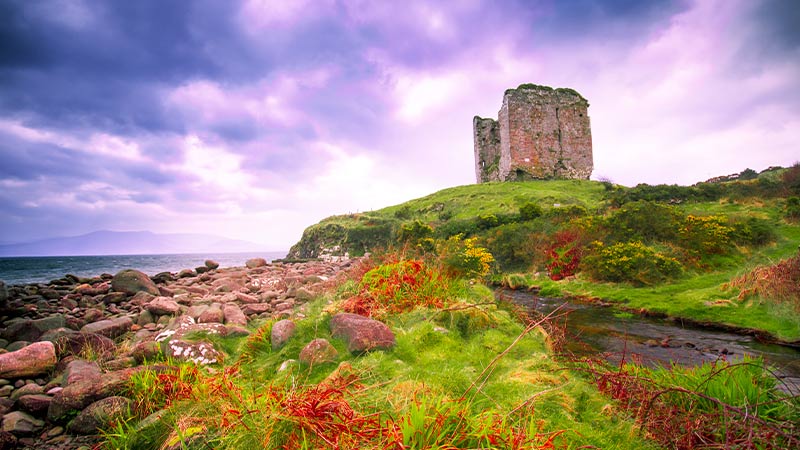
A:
(99, 415)
(3, 294)
(109, 328)
(282, 331)
(234, 315)
(361, 333)
(132, 281)
(29, 361)
(200, 353)
(318, 351)
(211, 264)
(212, 314)
(163, 306)
(31, 330)
(255, 262)
(80, 394)
(19, 423)
(35, 404)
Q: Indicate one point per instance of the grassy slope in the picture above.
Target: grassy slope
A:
(699, 296)
(438, 368)
(466, 202)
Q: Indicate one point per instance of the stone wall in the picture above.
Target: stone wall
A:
(541, 133)
(487, 149)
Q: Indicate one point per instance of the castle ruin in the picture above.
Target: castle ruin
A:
(541, 133)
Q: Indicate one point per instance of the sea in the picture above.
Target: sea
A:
(42, 269)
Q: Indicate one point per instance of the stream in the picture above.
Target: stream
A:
(597, 330)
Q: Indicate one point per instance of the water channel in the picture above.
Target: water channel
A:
(593, 330)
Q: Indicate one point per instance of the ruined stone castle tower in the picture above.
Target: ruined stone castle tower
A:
(541, 133)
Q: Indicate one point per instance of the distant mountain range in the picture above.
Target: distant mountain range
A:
(129, 243)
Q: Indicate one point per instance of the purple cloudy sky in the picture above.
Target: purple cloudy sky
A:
(253, 119)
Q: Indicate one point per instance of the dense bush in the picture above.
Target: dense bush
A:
(530, 211)
(791, 179)
(370, 236)
(465, 227)
(705, 234)
(752, 231)
(564, 254)
(516, 246)
(792, 208)
(567, 212)
(486, 221)
(643, 221)
(414, 233)
(631, 262)
(464, 258)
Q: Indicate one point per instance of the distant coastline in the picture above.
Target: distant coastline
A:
(42, 269)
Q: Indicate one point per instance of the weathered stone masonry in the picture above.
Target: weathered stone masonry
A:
(541, 133)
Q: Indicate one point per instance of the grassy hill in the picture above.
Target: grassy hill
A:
(467, 371)
(673, 250)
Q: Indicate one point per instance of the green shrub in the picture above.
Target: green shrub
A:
(566, 212)
(706, 234)
(403, 213)
(753, 231)
(515, 246)
(748, 174)
(486, 221)
(465, 227)
(530, 211)
(414, 233)
(631, 262)
(643, 221)
(791, 179)
(463, 258)
(792, 209)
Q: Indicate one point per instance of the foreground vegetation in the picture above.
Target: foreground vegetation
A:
(465, 373)
(717, 252)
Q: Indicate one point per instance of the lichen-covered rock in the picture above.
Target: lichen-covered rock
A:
(132, 281)
(201, 353)
(79, 370)
(99, 415)
(361, 333)
(163, 306)
(20, 423)
(234, 315)
(318, 351)
(29, 361)
(77, 396)
(282, 331)
(31, 330)
(212, 314)
(35, 404)
(109, 328)
(146, 350)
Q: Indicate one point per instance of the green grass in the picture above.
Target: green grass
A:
(470, 378)
(467, 202)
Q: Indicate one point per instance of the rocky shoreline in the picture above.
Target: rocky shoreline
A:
(69, 347)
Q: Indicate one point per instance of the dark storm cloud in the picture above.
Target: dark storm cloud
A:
(597, 20)
(109, 70)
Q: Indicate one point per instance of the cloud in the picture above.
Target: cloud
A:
(254, 119)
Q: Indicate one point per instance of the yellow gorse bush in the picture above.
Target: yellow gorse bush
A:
(464, 257)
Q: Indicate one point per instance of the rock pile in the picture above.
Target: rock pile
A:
(63, 373)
